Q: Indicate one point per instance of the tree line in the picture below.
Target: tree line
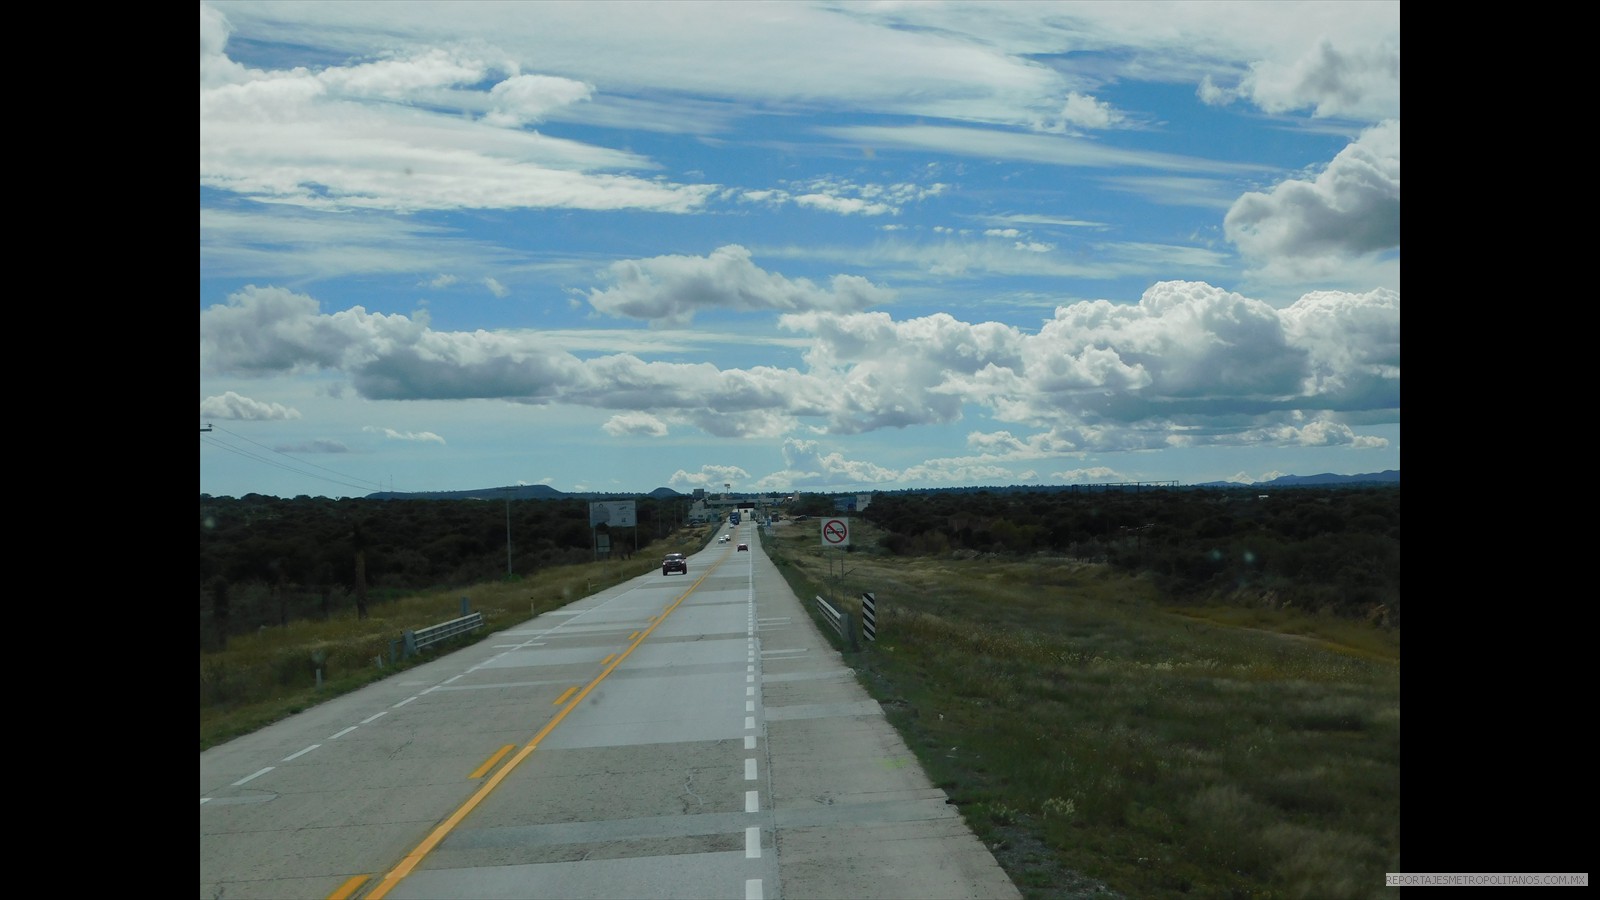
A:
(266, 560)
(1332, 550)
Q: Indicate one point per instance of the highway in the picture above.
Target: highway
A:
(670, 737)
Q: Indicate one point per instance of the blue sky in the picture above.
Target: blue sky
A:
(791, 246)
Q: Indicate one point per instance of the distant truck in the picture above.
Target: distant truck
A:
(733, 518)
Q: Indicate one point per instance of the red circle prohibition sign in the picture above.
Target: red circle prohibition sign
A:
(834, 532)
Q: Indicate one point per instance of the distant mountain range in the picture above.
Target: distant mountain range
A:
(522, 492)
(546, 492)
(1389, 476)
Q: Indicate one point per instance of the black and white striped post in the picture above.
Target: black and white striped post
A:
(869, 616)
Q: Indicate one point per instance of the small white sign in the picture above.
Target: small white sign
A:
(835, 532)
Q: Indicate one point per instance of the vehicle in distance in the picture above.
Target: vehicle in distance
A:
(723, 539)
(674, 562)
(741, 547)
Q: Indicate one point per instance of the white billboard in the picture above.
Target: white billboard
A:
(614, 513)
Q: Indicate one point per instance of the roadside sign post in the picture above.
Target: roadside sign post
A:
(836, 536)
(612, 514)
(836, 533)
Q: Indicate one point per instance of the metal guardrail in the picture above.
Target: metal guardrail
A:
(423, 638)
(839, 620)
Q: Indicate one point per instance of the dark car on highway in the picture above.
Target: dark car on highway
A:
(744, 546)
(674, 562)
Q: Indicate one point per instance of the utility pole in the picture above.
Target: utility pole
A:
(508, 530)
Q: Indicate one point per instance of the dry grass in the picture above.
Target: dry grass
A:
(1102, 742)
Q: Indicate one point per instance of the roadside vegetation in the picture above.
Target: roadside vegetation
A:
(1144, 697)
(1103, 741)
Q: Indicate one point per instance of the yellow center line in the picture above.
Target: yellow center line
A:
(564, 695)
(448, 825)
(348, 889)
(488, 764)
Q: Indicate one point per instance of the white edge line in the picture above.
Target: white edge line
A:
(430, 690)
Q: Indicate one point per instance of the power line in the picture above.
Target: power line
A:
(342, 479)
(287, 468)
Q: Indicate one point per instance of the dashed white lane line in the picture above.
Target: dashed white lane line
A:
(753, 888)
(262, 772)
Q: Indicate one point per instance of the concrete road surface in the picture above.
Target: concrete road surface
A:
(672, 737)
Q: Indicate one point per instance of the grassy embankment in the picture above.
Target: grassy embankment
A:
(1090, 735)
